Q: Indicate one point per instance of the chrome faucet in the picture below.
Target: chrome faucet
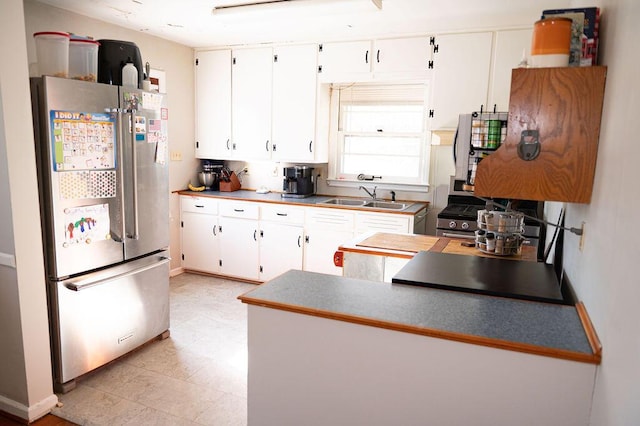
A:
(371, 194)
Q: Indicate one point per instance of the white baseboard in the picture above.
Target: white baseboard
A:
(31, 413)
(176, 271)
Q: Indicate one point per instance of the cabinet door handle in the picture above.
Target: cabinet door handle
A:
(214, 231)
(266, 146)
(299, 238)
(255, 233)
(239, 210)
(378, 56)
(281, 214)
(310, 146)
(366, 57)
(200, 206)
(228, 140)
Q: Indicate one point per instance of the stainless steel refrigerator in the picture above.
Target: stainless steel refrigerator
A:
(104, 197)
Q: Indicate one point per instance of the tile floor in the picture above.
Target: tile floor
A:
(198, 376)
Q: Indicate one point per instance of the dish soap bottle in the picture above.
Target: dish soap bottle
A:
(130, 74)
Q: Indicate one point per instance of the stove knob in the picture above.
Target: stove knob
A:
(452, 224)
(465, 225)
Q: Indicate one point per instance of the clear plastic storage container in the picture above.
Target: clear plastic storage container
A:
(52, 50)
(83, 59)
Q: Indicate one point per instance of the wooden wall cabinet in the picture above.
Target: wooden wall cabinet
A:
(565, 106)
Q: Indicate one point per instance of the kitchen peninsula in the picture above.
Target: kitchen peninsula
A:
(335, 350)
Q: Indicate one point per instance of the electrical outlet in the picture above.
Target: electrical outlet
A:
(176, 156)
(245, 171)
(581, 243)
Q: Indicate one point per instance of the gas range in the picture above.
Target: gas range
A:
(459, 218)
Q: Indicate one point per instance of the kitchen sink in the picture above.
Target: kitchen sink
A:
(344, 202)
(372, 204)
(385, 205)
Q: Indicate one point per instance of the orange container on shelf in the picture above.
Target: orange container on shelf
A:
(551, 43)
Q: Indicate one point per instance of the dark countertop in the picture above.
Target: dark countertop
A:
(559, 331)
(315, 200)
(496, 277)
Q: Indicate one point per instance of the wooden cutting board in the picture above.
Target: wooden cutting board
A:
(400, 242)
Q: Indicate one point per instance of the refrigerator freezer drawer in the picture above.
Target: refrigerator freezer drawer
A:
(100, 316)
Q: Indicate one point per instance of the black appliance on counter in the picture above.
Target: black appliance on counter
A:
(459, 218)
(298, 182)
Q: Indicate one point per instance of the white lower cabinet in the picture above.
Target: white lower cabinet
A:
(280, 249)
(325, 231)
(239, 239)
(383, 222)
(281, 239)
(199, 234)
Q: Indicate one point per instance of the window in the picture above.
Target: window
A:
(381, 133)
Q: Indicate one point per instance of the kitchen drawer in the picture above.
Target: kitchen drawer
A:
(199, 205)
(382, 222)
(242, 209)
(334, 219)
(282, 214)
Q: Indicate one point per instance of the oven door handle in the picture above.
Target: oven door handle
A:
(466, 237)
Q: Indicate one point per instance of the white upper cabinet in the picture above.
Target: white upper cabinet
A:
(460, 77)
(345, 61)
(251, 103)
(213, 104)
(402, 57)
(509, 46)
(382, 59)
(294, 103)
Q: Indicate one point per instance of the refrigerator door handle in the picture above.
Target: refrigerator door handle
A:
(134, 162)
(83, 285)
(120, 236)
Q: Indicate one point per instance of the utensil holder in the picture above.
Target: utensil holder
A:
(232, 185)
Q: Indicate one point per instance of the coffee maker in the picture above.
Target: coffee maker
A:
(298, 182)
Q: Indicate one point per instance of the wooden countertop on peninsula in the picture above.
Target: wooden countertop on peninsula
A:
(407, 245)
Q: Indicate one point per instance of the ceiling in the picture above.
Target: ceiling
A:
(192, 22)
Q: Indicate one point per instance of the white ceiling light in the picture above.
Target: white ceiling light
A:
(255, 5)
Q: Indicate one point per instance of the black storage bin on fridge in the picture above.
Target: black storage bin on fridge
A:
(112, 56)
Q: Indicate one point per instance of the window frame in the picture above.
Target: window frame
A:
(337, 178)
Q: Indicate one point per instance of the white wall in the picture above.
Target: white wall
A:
(177, 62)
(604, 273)
(25, 363)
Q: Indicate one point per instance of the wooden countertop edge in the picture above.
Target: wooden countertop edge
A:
(594, 341)
(293, 203)
(458, 337)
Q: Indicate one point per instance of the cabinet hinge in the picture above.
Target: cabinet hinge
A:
(435, 48)
(233, 61)
(320, 47)
(197, 144)
(220, 228)
(430, 65)
(306, 239)
(197, 62)
(319, 69)
(432, 41)
(275, 58)
(430, 113)
(220, 262)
